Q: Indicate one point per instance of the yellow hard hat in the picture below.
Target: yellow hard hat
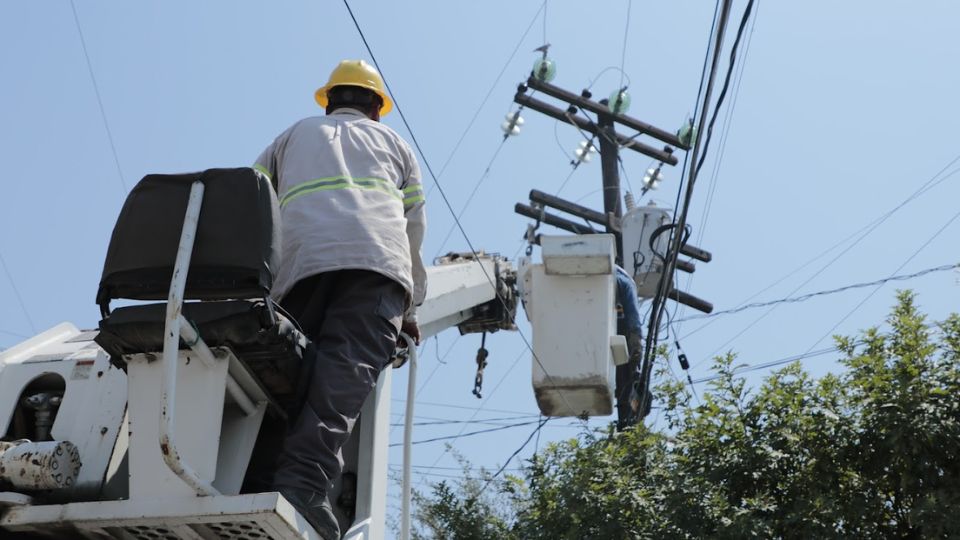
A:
(355, 73)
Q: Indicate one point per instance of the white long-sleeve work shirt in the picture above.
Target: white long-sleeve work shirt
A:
(350, 198)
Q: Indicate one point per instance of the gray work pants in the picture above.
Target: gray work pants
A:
(353, 318)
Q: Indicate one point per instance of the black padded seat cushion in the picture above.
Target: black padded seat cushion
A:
(274, 353)
(237, 242)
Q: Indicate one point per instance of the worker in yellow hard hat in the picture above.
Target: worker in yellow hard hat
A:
(355, 74)
(351, 272)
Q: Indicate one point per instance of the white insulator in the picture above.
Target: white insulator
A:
(629, 202)
(653, 178)
(510, 129)
(39, 465)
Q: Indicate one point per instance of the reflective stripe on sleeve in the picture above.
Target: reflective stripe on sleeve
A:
(412, 195)
(261, 168)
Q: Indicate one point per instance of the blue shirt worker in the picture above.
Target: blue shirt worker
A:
(351, 272)
(629, 325)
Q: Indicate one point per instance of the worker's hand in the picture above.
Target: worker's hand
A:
(411, 329)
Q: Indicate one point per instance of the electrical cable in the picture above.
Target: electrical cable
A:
(96, 91)
(466, 204)
(16, 292)
(447, 422)
(489, 93)
(666, 278)
(470, 434)
(514, 454)
(797, 299)
(464, 407)
(728, 122)
(726, 84)
(443, 194)
(877, 288)
(623, 54)
(789, 359)
(866, 231)
(654, 305)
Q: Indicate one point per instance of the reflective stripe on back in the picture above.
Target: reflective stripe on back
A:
(340, 182)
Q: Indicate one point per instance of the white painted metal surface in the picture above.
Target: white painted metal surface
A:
(455, 289)
(9, 498)
(408, 439)
(370, 459)
(578, 255)
(213, 412)
(574, 319)
(39, 465)
(91, 412)
(197, 429)
(639, 260)
(239, 517)
(169, 447)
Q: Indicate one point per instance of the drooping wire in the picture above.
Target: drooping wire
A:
(790, 359)
(714, 177)
(470, 434)
(535, 431)
(623, 53)
(802, 298)
(443, 195)
(16, 292)
(466, 204)
(449, 206)
(726, 84)
(490, 91)
(660, 298)
(433, 421)
(862, 232)
(877, 288)
(96, 91)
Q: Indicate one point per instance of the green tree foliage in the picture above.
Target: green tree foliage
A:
(873, 452)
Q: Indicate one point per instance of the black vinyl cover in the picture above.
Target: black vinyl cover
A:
(272, 351)
(235, 252)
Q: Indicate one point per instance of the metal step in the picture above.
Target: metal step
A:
(258, 516)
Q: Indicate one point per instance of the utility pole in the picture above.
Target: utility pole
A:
(609, 156)
(610, 141)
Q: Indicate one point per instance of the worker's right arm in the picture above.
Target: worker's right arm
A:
(414, 209)
(266, 164)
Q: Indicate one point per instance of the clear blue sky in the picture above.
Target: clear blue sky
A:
(843, 110)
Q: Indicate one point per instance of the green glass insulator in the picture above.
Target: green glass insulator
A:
(619, 101)
(544, 69)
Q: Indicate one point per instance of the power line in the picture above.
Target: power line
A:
(789, 359)
(767, 365)
(874, 291)
(476, 187)
(470, 434)
(865, 230)
(796, 299)
(16, 292)
(447, 422)
(679, 222)
(728, 122)
(443, 195)
(726, 85)
(96, 90)
(14, 334)
(543, 8)
(452, 406)
(626, 33)
(536, 430)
